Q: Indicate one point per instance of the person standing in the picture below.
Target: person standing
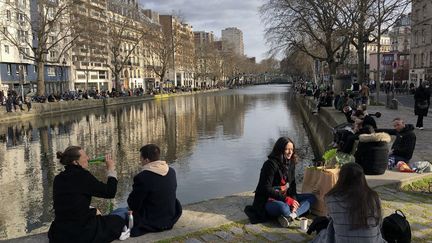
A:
(364, 93)
(276, 193)
(421, 104)
(73, 189)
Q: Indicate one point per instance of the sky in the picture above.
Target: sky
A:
(216, 15)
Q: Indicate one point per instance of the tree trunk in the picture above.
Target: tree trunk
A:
(41, 79)
(117, 81)
(361, 62)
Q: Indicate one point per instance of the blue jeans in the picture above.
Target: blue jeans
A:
(277, 208)
(394, 159)
(122, 212)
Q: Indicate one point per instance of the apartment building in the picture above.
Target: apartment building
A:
(232, 38)
(421, 41)
(90, 54)
(20, 46)
(181, 68)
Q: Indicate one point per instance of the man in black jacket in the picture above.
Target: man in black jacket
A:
(404, 145)
(153, 197)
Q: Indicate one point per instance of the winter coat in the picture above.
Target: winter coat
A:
(339, 227)
(153, 199)
(74, 220)
(270, 177)
(372, 153)
(421, 95)
(404, 144)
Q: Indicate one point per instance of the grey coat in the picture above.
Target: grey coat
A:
(338, 230)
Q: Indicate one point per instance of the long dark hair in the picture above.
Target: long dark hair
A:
(279, 150)
(362, 201)
(70, 155)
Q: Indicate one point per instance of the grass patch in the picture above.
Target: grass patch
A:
(424, 186)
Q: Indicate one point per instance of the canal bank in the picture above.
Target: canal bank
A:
(223, 220)
(54, 108)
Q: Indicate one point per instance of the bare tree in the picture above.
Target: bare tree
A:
(162, 46)
(42, 32)
(370, 18)
(297, 64)
(127, 27)
(314, 27)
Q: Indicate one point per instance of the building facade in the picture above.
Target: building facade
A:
(19, 26)
(233, 40)
(90, 54)
(181, 69)
(421, 41)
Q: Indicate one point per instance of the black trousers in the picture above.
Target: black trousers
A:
(419, 121)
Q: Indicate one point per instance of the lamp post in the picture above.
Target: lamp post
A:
(365, 41)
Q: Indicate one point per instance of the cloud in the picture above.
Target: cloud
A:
(216, 15)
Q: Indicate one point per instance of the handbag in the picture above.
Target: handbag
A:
(423, 104)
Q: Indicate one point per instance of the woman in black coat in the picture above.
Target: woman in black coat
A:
(421, 104)
(372, 151)
(276, 193)
(73, 189)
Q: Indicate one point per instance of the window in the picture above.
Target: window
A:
(415, 60)
(102, 75)
(51, 71)
(422, 60)
(8, 15)
(423, 36)
(430, 58)
(9, 69)
(6, 49)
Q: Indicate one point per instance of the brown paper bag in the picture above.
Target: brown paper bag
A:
(319, 181)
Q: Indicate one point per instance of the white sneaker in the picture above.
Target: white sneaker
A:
(284, 221)
(421, 128)
(293, 216)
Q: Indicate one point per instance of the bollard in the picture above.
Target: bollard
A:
(394, 104)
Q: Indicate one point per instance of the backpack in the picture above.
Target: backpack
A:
(396, 228)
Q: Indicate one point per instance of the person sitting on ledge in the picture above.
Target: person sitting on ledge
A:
(404, 145)
(354, 210)
(73, 189)
(276, 193)
(153, 198)
(372, 151)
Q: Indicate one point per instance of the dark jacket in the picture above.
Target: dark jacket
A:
(270, 177)
(372, 153)
(153, 202)
(404, 144)
(421, 95)
(368, 120)
(74, 220)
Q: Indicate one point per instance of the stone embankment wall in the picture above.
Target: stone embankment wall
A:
(54, 108)
(319, 125)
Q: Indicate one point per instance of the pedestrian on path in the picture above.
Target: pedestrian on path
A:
(421, 104)
(354, 209)
(276, 193)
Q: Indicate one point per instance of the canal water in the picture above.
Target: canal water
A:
(216, 142)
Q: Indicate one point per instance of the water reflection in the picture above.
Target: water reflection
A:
(217, 143)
